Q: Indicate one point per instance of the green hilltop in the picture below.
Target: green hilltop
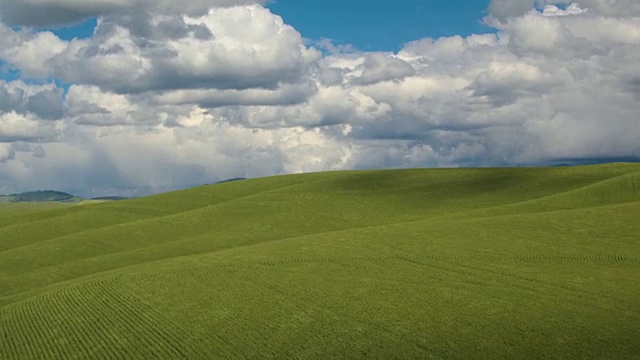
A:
(499, 263)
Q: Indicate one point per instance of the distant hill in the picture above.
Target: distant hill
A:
(40, 196)
(110, 198)
(231, 180)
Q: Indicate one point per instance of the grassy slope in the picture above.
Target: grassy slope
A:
(497, 263)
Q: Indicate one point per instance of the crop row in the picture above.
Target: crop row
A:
(93, 320)
(525, 257)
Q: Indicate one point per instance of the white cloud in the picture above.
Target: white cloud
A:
(612, 8)
(286, 94)
(501, 10)
(248, 47)
(108, 160)
(505, 82)
(30, 51)
(89, 105)
(572, 9)
(45, 101)
(16, 127)
(379, 67)
(605, 31)
(5, 153)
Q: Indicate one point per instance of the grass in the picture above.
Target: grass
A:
(451, 263)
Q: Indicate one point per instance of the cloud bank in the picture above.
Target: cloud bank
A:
(169, 94)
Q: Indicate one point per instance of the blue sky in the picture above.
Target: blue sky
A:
(81, 31)
(382, 25)
(8, 73)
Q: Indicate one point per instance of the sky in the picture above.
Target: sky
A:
(104, 97)
(382, 25)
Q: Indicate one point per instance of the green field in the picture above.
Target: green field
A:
(507, 263)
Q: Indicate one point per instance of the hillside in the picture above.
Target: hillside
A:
(447, 263)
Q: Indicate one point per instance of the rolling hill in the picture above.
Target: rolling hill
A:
(448, 263)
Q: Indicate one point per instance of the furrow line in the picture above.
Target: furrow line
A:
(113, 324)
(74, 308)
(525, 257)
(10, 346)
(110, 342)
(27, 333)
(158, 339)
(573, 292)
(47, 336)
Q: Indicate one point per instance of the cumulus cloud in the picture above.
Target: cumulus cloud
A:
(6, 153)
(232, 48)
(16, 127)
(504, 83)
(505, 9)
(163, 98)
(107, 160)
(29, 51)
(380, 67)
(286, 94)
(553, 10)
